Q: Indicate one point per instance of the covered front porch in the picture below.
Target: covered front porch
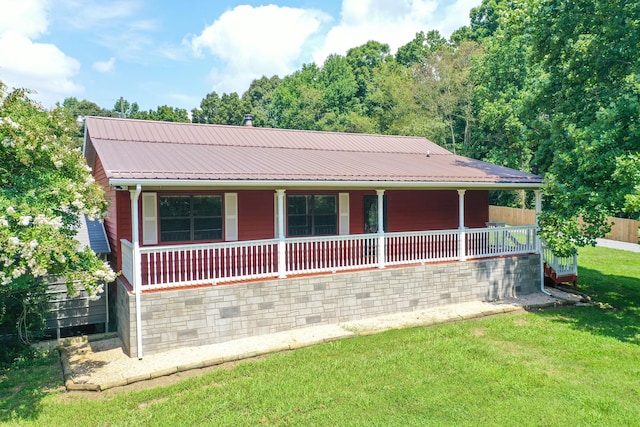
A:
(171, 266)
(154, 267)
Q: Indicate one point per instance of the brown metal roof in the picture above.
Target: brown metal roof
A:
(145, 150)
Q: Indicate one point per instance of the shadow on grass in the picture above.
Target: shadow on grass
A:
(616, 309)
(24, 384)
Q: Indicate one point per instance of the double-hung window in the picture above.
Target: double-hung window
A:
(312, 215)
(185, 218)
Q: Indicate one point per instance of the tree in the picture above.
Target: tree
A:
(444, 77)
(587, 106)
(418, 49)
(502, 77)
(123, 108)
(363, 61)
(226, 110)
(45, 185)
(297, 101)
(80, 109)
(259, 96)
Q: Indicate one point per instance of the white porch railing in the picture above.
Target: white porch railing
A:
(562, 266)
(185, 265)
(421, 246)
(331, 253)
(500, 241)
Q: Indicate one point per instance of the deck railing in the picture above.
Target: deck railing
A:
(184, 265)
(562, 266)
(500, 241)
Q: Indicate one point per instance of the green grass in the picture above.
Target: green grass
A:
(578, 366)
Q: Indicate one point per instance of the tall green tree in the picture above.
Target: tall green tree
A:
(45, 185)
(502, 78)
(226, 110)
(363, 61)
(444, 81)
(298, 100)
(587, 101)
(259, 96)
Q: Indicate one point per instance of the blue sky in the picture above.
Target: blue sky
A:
(158, 52)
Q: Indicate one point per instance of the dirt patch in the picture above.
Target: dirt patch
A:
(479, 332)
(521, 322)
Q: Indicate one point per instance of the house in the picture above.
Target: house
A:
(80, 312)
(223, 232)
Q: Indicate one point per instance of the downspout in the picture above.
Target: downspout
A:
(539, 242)
(137, 281)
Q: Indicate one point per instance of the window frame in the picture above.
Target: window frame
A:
(219, 218)
(312, 215)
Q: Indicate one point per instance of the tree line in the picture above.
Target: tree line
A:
(548, 87)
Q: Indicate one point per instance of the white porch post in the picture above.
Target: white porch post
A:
(137, 261)
(381, 249)
(462, 236)
(282, 248)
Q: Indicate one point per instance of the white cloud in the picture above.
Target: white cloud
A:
(26, 17)
(256, 41)
(105, 66)
(25, 63)
(92, 14)
(38, 66)
(394, 22)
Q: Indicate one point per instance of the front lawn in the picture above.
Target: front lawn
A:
(563, 367)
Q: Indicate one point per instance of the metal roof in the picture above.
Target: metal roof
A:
(91, 234)
(183, 152)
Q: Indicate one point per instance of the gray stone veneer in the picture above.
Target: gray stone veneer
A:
(213, 314)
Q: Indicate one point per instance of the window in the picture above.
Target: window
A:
(190, 218)
(311, 215)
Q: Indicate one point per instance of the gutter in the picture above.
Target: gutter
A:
(300, 184)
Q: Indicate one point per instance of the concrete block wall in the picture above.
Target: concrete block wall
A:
(213, 314)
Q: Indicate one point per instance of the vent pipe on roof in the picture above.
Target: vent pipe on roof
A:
(248, 120)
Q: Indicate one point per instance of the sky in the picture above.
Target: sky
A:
(168, 52)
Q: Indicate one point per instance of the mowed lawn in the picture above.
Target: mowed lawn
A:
(577, 366)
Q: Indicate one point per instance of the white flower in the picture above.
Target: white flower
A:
(11, 210)
(3, 222)
(33, 244)
(11, 123)
(13, 241)
(39, 271)
(58, 163)
(24, 220)
(17, 273)
(56, 222)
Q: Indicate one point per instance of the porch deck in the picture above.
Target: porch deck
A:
(172, 266)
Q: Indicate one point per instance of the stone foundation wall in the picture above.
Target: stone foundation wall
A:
(208, 315)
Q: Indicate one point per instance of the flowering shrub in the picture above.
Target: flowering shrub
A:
(45, 185)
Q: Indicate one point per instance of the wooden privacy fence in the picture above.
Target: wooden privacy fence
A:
(623, 230)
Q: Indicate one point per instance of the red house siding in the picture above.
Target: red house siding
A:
(416, 210)
(255, 215)
(111, 221)
(435, 210)
(123, 215)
